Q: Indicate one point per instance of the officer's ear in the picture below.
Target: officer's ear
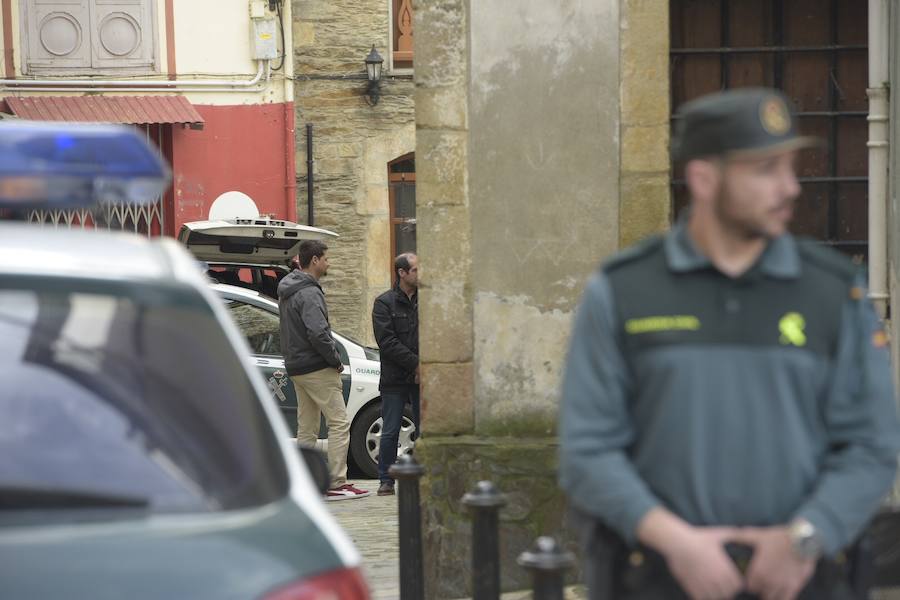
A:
(704, 178)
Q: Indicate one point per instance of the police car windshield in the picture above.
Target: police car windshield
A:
(132, 393)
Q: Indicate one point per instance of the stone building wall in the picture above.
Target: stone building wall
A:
(539, 155)
(352, 145)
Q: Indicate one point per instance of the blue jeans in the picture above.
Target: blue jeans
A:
(392, 403)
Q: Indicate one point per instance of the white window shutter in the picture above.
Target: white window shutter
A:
(123, 34)
(58, 34)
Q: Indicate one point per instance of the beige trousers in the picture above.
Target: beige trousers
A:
(320, 392)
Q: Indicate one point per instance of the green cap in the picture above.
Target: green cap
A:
(738, 122)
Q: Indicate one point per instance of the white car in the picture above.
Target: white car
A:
(252, 253)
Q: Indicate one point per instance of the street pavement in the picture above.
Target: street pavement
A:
(372, 524)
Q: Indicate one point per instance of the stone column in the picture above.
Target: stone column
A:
(518, 127)
(644, 184)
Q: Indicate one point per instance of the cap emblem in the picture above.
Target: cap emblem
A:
(775, 116)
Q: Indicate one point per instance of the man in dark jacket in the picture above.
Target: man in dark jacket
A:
(395, 319)
(314, 365)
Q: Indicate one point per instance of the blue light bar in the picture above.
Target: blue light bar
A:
(66, 165)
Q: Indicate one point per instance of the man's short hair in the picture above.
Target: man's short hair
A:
(310, 249)
(402, 262)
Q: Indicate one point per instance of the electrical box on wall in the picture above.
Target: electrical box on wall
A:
(264, 41)
(257, 9)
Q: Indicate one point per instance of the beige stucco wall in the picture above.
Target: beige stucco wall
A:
(212, 38)
(353, 143)
(543, 181)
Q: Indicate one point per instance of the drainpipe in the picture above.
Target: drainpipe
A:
(878, 153)
(310, 212)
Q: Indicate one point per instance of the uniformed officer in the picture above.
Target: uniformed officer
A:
(728, 386)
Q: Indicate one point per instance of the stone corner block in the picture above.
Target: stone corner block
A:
(448, 406)
(646, 207)
(442, 164)
(645, 149)
(443, 107)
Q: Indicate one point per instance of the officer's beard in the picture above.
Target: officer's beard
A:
(731, 220)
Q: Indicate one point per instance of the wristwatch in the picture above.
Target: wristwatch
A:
(805, 540)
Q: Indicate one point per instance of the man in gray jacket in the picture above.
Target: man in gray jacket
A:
(314, 365)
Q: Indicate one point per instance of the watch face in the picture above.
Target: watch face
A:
(806, 541)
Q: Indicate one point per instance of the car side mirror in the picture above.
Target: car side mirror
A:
(317, 464)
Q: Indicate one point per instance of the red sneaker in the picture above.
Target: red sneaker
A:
(346, 492)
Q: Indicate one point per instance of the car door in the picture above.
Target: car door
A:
(260, 327)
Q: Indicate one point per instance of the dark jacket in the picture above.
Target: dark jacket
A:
(306, 341)
(395, 319)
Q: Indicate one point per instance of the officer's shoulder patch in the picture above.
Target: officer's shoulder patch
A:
(633, 253)
(827, 259)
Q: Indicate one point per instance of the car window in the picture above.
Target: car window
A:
(342, 352)
(259, 326)
(231, 276)
(130, 391)
(262, 329)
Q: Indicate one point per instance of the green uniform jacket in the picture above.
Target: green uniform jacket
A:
(746, 401)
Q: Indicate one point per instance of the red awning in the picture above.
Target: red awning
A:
(136, 110)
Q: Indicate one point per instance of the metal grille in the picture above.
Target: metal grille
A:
(145, 219)
(815, 52)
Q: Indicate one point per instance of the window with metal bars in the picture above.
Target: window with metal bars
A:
(816, 52)
(153, 219)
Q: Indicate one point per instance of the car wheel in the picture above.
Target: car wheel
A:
(365, 437)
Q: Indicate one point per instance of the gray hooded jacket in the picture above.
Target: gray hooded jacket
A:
(306, 341)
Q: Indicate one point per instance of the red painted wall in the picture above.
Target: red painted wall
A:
(240, 148)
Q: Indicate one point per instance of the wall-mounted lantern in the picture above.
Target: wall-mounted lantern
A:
(374, 63)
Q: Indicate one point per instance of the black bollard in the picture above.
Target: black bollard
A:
(485, 502)
(408, 472)
(548, 564)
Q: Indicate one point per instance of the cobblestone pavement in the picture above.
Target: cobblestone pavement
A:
(372, 523)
